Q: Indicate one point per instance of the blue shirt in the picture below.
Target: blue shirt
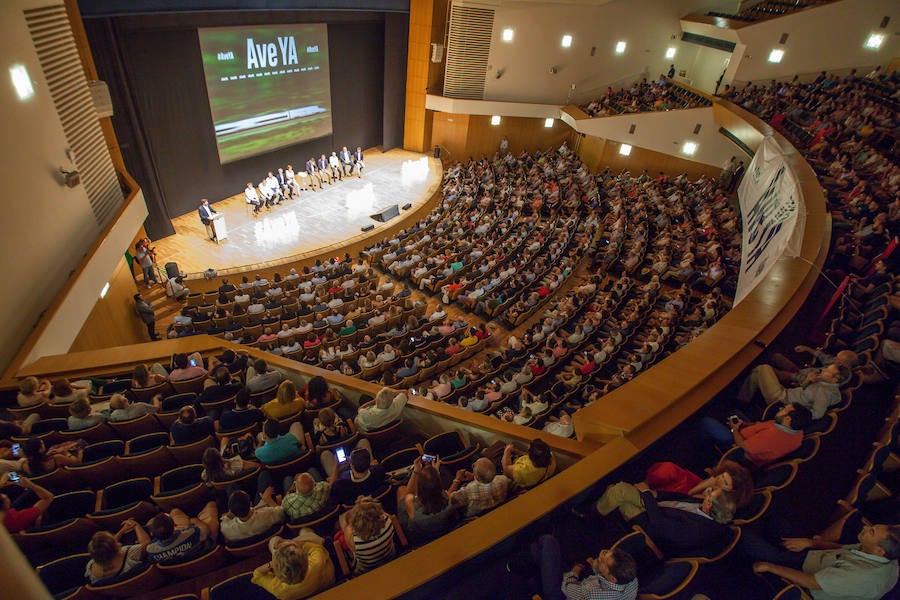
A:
(279, 450)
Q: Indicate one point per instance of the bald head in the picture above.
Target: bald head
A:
(305, 484)
(484, 470)
(847, 358)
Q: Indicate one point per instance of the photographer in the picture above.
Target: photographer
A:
(765, 442)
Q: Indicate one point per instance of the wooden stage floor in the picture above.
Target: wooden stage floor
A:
(308, 225)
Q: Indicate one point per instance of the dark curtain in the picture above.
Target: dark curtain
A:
(396, 39)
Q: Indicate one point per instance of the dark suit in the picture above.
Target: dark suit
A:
(678, 532)
(324, 171)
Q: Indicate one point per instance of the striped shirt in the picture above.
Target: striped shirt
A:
(373, 552)
(596, 587)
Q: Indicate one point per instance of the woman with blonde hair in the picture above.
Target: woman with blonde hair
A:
(33, 392)
(299, 567)
(368, 534)
(287, 402)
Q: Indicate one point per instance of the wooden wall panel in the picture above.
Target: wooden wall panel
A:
(417, 65)
(599, 153)
(467, 136)
(112, 322)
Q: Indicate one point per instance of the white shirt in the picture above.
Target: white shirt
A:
(250, 195)
(334, 161)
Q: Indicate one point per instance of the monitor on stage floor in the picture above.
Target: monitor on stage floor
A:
(268, 86)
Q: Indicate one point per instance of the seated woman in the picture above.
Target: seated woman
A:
(423, 507)
(110, 559)
(441, 387)
(529, 468)
(299, 568)
(368, 534)
(386, 408)
(216, 468)
(328, 428)
(40, 460)
(561, 425)
(188, 428)
(728, 476)
(537, 404)
(81, 416)
(33, 392)
(144, 377)
(287, 402)
(64, 392)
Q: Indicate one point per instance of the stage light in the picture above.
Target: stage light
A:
(22, 82)
(620, 47)
(776, 55)
(104, 290)
(508, 34)
(548, 122)
(670, 53)
(874, 41)
(625, 149)
(689, 148)
(566, 41)
(495, 120)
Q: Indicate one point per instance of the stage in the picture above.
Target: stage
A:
(311, 224)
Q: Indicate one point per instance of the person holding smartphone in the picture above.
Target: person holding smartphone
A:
(187, 367)
(16, 520)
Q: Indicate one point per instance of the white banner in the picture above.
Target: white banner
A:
(770, 208)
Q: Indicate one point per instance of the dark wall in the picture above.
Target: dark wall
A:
(154, 68)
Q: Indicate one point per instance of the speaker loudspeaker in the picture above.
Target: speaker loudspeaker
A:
(172, 270)
(407, 206)
(368, 227)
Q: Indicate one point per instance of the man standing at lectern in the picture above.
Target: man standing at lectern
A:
(206, 215)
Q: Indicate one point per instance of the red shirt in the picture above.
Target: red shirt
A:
(537, 369)
(766, 442)
(18, 520)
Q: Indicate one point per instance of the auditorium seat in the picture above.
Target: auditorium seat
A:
(64, 577)
(658, 578)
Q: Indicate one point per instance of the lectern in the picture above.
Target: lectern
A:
(219, 228)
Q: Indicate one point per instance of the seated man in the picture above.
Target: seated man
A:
(680, 524)
(176, 289)
(789, 373)
(277, 448)
(260, 377)
(613, 573)
(356, 477)
(122, 409)
(305, 496)
(177, 537)
(243, 520)
(820, 391)
(527, 469)
(484, 488)
(16, 520)
(865, 571)
(242, 415)
(189, 428)
(762, 443)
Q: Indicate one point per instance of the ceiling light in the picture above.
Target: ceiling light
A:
(689, 148)
(495, 120)
(566, 41)
(548, 122)
(620, 47)
(508, 34)
(776, 55)
(874, 41)
(670, 53)
(21, 81)
(625, 149)
(104, 290)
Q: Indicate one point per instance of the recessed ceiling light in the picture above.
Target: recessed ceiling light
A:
(21, 81)
(670, 53)
(620, 47)
(548, 122)
(689, 148)
(625, 149)
(495, 120)
(104, 290)
(566, 41)
(776, 55)
(508, 34)
(874, 41)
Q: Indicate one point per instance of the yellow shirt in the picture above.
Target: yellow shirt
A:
(319, 575)
(525, 474)
(275, 410)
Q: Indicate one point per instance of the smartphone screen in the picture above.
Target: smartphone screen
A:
(414, 392)
(193, 362)
(16, 449)
(341, 455)
(429, 458)
(13, 476)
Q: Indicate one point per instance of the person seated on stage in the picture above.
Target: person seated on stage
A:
(283, 184)
(276, 448)
(346, 160)
(358, 164)
(275, 188)
(252, 197)
(312, 171)
(334, 164)
(324, 170)
(291, 178)
(178, 537)
(866, 571)
(175, 289)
